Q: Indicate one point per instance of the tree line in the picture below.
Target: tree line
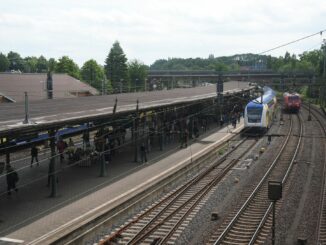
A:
(120, 75)
(309, 61)
(117, 75)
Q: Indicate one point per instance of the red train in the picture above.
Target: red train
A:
(292, 102)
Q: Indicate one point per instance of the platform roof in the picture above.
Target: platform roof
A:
(59, 112)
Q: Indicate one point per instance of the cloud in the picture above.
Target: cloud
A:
(149, 30)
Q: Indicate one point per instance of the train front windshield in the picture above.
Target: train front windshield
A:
(294, 98)
(254, 114)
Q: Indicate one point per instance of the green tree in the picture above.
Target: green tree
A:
(15, 61)
(4, 63)
(67, 65)
(234, 67)
(30, 64)
(109, 88)
(93, 74)
(305, 66)
(116, 69)
(221, 67)
(42, 64)
(315, 57)
(138, 72)
(52, 64)
(287, 57)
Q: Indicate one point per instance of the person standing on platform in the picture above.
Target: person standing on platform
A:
(221, 121)
(86, 142)
(61, 146)
(234, 121)
(143, 153)
(204, 124)
(184, 140)
(107, 153)
(71, 148)
(269, 139)
(12, 179)
(34, 155)
(196, 130)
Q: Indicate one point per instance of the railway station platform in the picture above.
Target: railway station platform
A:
(30, 216)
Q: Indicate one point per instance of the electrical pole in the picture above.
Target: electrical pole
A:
(324, 48)
(309, 97)
(26, 109)
(49, 85)
(219, 91)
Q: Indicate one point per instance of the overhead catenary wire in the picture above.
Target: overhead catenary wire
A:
(294, 41)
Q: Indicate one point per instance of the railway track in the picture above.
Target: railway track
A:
(163, 222)
(252, 222)
(321, 227)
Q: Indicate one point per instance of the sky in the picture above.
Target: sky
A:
(151, 29)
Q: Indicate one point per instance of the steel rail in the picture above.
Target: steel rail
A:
(199, 195)
(177, 193)
(255, 191)
(285, 178)
(322, 201)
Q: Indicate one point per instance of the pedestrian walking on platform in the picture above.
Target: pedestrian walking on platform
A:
(34, 155)
(12, 179)
(143, 153)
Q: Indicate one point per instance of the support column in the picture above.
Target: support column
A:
(161, 131)
(135, 126)
(146, 131)
(52, 166)
(26, 120)
(103, 171)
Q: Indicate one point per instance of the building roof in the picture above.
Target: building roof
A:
(13, 85)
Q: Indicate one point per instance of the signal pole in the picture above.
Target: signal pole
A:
(324, 48)
(219, 91)
(309, 87)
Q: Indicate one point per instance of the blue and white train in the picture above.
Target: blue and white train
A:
(259, 113)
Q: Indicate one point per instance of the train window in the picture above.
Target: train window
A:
(254, 114)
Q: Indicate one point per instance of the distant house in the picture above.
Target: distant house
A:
(13, 86)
